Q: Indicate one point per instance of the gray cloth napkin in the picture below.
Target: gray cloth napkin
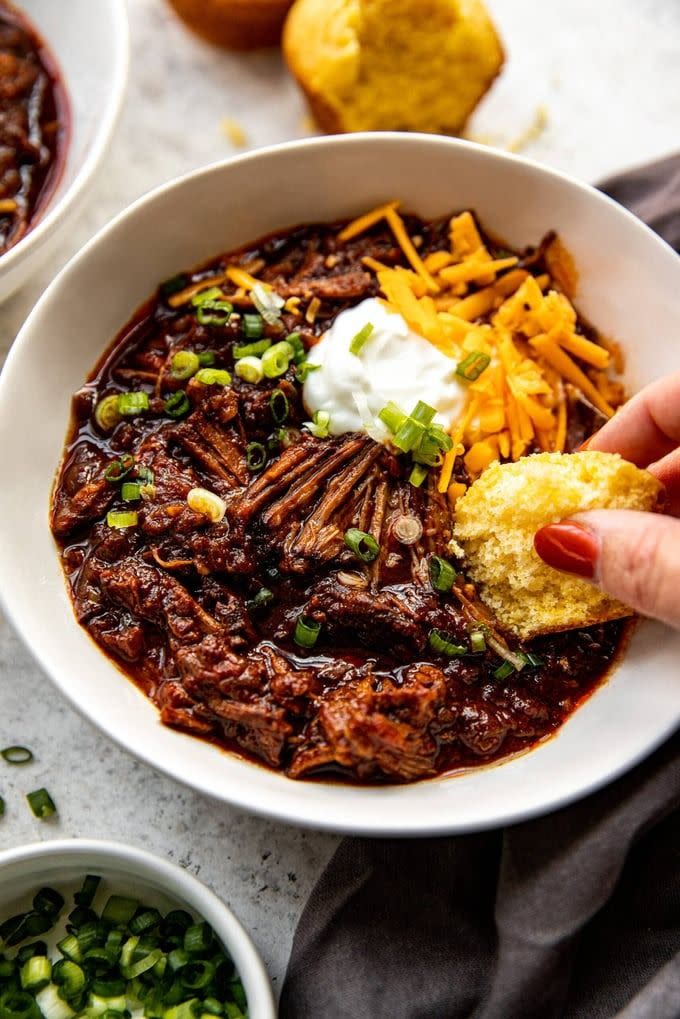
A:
(575, 915)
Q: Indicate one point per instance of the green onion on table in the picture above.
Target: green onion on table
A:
(127, 960)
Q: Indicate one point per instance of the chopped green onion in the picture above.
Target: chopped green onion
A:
(36, 973)
(2, 807)
(121, 519)
(143, 965)
(70, 948)
(177, 405)
(305, 369)
(17, 755)
(276, 359)
(42, 805)
(197, 975)
(306, 632)
(207, 358)
(267, 302)
(213, 377)
(251, 349)
(130, 491)
(106, 413)
(70, 977)
(212, 1006)
(477, 641)
(184, 364)
(432, 446)
(8, 969)
(119, 910)
(279, 406)
(423, 413)
(362, 544)
(119, 469)
(442, 574)
(211, 307)
(249, 369)
(15, 1004)
(131, 404)
(392, 416)
(417, 475)
(441, 642)
(198, 938)
(359, 340)
(48, 901)
(535, 661)
(261, 599)
(91, 882)
(408, 435)
(299, 351)
(29, 951)
(253, 326)
(256, 456)
(319, 426)
(472, 366)
(176, 922)
(52, 1005)
(144, 921)
(187, 1010)
(173, 285)
(203, 296)
(503, 671)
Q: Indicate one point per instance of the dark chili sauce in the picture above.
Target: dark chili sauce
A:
(171, 599)
(33, 125)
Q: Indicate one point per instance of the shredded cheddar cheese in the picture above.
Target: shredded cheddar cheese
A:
(365, 222)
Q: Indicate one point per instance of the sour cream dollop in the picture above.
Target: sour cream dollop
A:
(394, 364)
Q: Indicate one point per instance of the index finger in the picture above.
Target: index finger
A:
(646, 428)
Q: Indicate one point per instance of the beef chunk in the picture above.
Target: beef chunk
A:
(84, 494)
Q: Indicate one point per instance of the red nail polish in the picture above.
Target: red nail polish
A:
(569, 547)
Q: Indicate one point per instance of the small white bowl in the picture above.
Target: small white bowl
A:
(629, 287)
(126, 870)
(89, 41)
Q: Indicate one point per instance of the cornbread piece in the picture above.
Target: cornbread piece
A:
(496, 521)
(382, 65)
(235, 24)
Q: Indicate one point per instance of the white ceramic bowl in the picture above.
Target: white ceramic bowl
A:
(126, 870)
(629, 287)
(90, 43)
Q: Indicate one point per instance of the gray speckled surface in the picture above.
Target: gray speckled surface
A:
(610, 77)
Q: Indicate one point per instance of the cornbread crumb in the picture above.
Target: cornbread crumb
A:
(496, 521)
(233, 131)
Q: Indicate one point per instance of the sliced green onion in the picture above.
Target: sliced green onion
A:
(423, 413)
(212, 1006)
(238, 993)
(306, 632)
(16, 1004)
(359, 340)
(432, 446)
(91, 882)
(186, 1010)
(8, 969)
(144, 921)
(408, 435)
(207, 358)
(17, 755)
(70, 948)
(535, 661)
(261, 599)
(503, 671)
(472, 366)
(251, 349)
(392, 416)
(176, 922)
(232, 1010)
(119, 469)
(203, 296)
(299, 351)
(213, 377)
(36, 973)
(417, 475)
(131, 404)
(128, 950)
(106, 413)
(319, 426)
(70, 977)
(130, 491)
(442, 574)
(214, 313)
(173, 285)
(279, 406)
(362, 544)
(477, 641)
(197, 975)
(184, 364)
(121, 519)
(267, 302)
(119, 910)
(103, 1006)
(42, 805)
(276, 359)
(2, 807)
(253, 326)
(177, 959)
(29, 951)
(305, 369)
(250, 369)
(441, 642)
(256, 456)
(143, 965)
(177, 405)
(198, 938)
(48, 901)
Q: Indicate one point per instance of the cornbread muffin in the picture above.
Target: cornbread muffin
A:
(381, 65)
(496, 521)
(235, 24)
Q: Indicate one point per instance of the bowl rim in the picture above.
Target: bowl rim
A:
(177, 882)
(58, 205)
(334, 817)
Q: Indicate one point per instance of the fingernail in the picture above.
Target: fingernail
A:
(586, 443)
(569, 547)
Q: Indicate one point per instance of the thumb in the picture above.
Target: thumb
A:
(633, 556)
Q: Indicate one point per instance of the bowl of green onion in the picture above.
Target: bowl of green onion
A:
(100, 930)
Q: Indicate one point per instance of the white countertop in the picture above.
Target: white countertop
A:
(609, 76)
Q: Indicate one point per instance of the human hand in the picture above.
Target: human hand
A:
(633, 556)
